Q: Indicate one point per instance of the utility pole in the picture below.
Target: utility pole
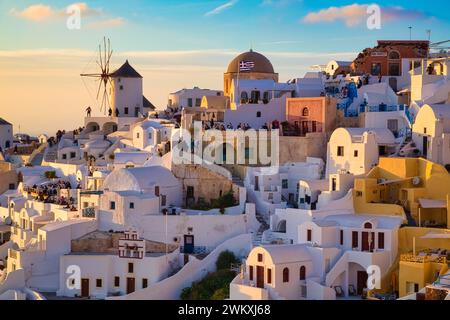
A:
(410, 33)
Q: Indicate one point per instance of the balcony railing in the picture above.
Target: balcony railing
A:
(88, 212)
(422, 259)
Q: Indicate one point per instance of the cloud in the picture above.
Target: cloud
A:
(356, 14)
(39, 13)
(36, 13)
(221, 8)
(109, 23)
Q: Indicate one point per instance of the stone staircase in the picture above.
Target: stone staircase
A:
(238, 181)
(51, 154)
(257, 237)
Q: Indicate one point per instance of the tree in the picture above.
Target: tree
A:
(225, 260)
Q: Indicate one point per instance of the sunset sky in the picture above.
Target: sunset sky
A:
(176, 44)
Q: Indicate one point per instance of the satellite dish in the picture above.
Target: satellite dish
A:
(416, 181)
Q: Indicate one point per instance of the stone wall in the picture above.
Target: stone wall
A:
(297, 149)
(104, 242)
(207, 185)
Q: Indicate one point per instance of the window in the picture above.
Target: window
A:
(190, 102)
(258, 114)
(355, 243)
(342, 237)
(130, 267)
(355, 153)
(381, 240)
(73, 155)
(285, 275)
(309, 235)
(359, 194)
(99, 283)
(247, 153)
(198, 102)
(64, 156)
(163, 200)
(340, 151)
(260, 257)
(244, 97)
(126, 110)
(376, 69)
(157, 191)
(121, 87)
(269, 276)
(144, 283)
(394, 55)
(256, 95)
(250, 271)
(131, 205)
(150, 136)
(12, 186)
(394, 69)
(112, 205)
(285, 184)
(367, 225)
(305, 112)
(425, 130)
(190, 192)
(116, 282)
(302, 273)
(138, 135)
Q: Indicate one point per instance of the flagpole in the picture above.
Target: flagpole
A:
(239, 72)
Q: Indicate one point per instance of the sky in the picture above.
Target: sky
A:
(178, 44)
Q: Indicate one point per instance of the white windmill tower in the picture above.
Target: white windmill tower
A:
(122, 89)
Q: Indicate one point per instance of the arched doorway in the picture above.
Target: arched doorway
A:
(92, 127)
(109, 127)
(281, 227)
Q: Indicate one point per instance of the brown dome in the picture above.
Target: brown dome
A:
(262, 64)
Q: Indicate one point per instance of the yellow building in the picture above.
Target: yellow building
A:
(417, 189)
(425, 257)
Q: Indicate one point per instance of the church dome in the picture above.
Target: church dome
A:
(261, 63)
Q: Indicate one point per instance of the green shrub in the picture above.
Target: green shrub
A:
(215, 285)
(225, 260)
(50, 175)
(221, 294)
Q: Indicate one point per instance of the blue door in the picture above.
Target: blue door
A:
(189, 244)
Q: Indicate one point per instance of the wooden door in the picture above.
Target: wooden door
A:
(260, 277)
(131, 285)
(362, 281)
(85, 288)
(425, 147)
(368, 241)
(256, 183)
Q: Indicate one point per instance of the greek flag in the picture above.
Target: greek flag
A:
(246, 66)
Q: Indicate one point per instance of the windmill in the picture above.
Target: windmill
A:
(104, 77)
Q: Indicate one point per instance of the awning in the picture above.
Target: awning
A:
(432, 204)
(436, 235)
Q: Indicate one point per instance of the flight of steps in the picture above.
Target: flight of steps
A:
(51, 154)
(238, 181)
(257, 237)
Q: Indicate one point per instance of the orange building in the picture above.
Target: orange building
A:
(310, 115)
(386, 58)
